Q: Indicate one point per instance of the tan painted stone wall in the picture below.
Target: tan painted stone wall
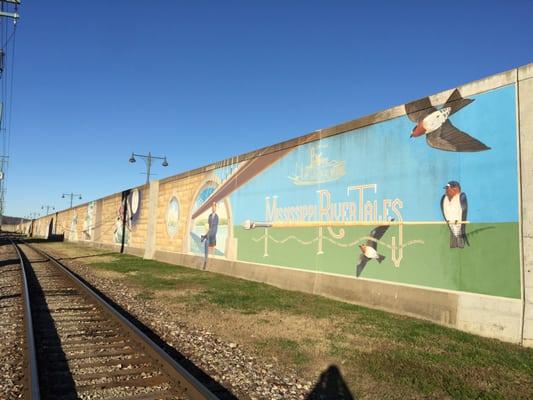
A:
(184, 189)
(64, 223)
(73, 225)
(42, 225)
(60, 223)
(81, 212)
(153, 193)
(109, 212)
(97, 229)
(138, 234)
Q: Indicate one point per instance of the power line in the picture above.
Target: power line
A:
(9, 38)
(12, 79)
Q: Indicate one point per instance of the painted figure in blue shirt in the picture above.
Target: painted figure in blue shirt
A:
(211, 236)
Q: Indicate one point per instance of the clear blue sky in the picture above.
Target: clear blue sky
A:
(201, 81)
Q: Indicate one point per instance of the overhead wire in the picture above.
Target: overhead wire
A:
(11, 84)
(4, 45)
(6, 97)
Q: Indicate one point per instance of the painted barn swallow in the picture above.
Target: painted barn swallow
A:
(454, 208)
(369, 250)
(435, 124)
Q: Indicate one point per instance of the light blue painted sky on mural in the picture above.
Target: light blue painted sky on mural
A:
(206, 80)
(407, 168)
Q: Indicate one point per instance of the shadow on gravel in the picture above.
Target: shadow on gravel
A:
(330, 385)
(220, 391)
(60, 238)
(14, 261)
(9, 296)
(51, 238)
(5, 238)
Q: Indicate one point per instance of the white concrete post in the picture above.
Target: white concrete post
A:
(153, 195)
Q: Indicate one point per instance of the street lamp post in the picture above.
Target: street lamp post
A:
(71, 195)
(47, 208)
(148, 160)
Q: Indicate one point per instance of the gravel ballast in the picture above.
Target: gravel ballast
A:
(11, 326)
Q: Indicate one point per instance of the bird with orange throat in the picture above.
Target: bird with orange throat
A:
(369, 250)
(436, 126)
(454, 208)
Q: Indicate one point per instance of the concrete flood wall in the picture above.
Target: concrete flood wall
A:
(424, 209)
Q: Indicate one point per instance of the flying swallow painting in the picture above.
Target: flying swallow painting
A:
(436, 126)
(369, 250)
(454, 206)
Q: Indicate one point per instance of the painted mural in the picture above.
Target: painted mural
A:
(436, 126)
(318, 170)
(380, 203)
(172, 217)
(427, 199)
(89, 221)
(132, 205)
(369, 250)
(208, 224)
(73, 229)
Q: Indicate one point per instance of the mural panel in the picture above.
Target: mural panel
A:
(210, 225)
(381, 202)
(127, 216)
(427, 199)
(172, 217)
(108, 214)
(72, 229)
(89, 221)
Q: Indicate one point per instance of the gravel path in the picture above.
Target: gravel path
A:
(226, 362)
(11, 326)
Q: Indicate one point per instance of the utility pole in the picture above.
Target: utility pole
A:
(3, 162)
(13, 15)
(71, 195)
(8, 10)
(148, 160)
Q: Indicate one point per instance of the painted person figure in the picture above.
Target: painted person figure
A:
(211, 236)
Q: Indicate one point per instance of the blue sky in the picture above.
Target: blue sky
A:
(205, 80)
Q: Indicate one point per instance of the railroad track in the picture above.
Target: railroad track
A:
(80, 347)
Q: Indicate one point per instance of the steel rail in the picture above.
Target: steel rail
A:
(191, 386)
(33, 389)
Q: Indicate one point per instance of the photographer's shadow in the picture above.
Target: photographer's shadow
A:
(330, 385)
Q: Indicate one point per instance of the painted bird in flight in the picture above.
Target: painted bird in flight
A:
(436, 126)
(454, 208)
(369, 250)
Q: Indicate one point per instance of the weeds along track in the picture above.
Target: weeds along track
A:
(85, 349)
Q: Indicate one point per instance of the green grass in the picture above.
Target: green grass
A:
(286, 348)
(406, 356)
(125, 263)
